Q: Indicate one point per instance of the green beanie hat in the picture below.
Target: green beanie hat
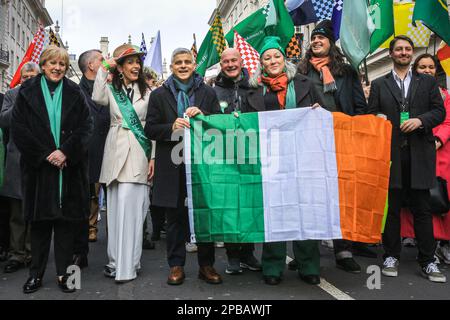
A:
(272, 42)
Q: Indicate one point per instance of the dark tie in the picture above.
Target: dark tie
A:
(130, 94)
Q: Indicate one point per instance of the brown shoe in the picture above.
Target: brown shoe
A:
(176, 276)
(210, 275)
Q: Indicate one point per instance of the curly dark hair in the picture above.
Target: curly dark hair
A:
(337, 65)
(118, 83)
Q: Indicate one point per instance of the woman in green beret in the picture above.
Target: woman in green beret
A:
(277, 86)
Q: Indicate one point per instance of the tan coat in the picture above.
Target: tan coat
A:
(124, 159)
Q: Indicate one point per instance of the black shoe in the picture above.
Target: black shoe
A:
(80, 260)
(251, 263)
(148, 245)
(13, 266)
(62, 284)
(109, 272)
(272, 280)
(292, 266)
(349, 265)
(310, 279)
(32, 285)
(363, 250)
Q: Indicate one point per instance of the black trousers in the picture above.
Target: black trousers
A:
(418, 203)
(178, 233)
(158, 218)
(4, 223)
(81, 238)
(239, 251)
(41, 237)
(342, 249)
(81, 245)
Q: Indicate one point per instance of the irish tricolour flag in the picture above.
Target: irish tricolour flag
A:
(287, 175)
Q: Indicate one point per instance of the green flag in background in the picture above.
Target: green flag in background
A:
(212, 47)
(382, 12)
(434, 15)
(356, 30)
(271, 20)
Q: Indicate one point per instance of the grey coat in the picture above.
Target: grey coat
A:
(12, 186)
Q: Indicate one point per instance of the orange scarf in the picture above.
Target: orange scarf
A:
(321, 65)
(279, 85)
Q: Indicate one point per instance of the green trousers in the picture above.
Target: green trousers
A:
(306, 254)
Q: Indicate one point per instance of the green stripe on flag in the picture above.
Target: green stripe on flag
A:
(225, 179)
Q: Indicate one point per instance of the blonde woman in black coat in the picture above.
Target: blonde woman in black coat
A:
(51, 127)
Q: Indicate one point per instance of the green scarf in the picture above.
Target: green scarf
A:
(183, 98)
(54, 108)
(291, 98)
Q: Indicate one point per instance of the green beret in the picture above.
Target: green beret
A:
(272, 42)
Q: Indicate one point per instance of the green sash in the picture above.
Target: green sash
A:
(2, 158)
(132, 119)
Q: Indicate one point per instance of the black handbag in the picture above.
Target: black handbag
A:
(439, 203)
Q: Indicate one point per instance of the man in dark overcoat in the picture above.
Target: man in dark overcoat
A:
(89, 63)
(183, 93)
(413, 104)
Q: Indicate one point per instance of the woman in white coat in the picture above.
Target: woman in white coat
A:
(127, 167)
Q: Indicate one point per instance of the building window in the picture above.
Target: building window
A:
(12, 61)
(13, 27)
(18, 33)
(23, 38)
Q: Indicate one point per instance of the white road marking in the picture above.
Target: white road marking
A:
(333, 291)
(328, 287)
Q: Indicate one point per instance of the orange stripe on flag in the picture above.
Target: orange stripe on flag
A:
(443, 55)
(363, 150)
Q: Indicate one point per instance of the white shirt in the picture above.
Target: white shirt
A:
(406, 81)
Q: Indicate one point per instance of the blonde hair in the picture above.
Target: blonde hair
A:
(54, 52)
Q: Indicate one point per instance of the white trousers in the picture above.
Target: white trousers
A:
(127, 207)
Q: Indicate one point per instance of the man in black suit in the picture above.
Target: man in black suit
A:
(183, 93)
(413, 104)
(89, 63)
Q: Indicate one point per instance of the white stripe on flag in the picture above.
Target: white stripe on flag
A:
(299, 173)
(188, 161)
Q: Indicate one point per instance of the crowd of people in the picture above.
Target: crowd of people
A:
(66, 143)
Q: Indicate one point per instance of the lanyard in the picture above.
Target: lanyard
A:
(404, 108)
